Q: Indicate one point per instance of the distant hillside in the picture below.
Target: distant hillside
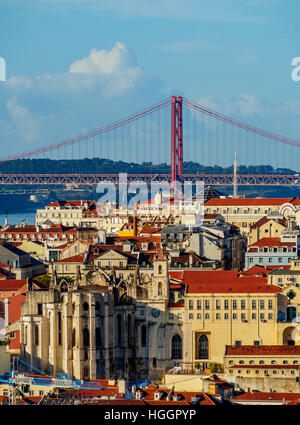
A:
(107, 166)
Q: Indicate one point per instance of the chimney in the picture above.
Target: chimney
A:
(134, 225)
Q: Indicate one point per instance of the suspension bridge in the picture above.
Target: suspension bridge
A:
(177, 134)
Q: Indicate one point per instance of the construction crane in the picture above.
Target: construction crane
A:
(63, 380)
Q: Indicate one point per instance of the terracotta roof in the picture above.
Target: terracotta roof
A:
(12, 284)
(270, 242)
(264, 396)
(258, 270)
(249, 201)
(258, 350)
(173, 305)
(265, 220)
(74, 259)
(264, 366)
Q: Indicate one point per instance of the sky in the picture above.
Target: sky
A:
(75, 65)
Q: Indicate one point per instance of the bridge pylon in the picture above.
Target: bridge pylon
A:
(176, 139)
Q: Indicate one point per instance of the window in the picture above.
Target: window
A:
(251, 260)
(191, 304)
(226, 316)
(238, 343)
(241, 362)
(206, 304)
(260, 260)
(261, 362)
(218, 316)
(231, 362)
(121, 276)
(198, 304)
(203, 347)
(119, 329)
(262, 316)
(226, 305)
(144, 335)
(285, 362)
(270, 260)
(176, 347)
(253, 316)
(191, 316)
(273, 362)
(256, 343)
(85, 306)
(218, 304)
(36, 335)
(234, 316)
(121, 264)
(86, 337)
(262, 304)
(279, 259)
(159, 290)
(243, 304)
(270, 304)
(199, 316)
(59, 328)
(40, 308)
(251, 362)
(234, 304)
(207, 316)
(99, 263)
(270, 316)
(253, 304)
(129, 330)
(243, 316)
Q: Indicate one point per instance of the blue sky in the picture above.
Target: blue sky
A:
(234, 56)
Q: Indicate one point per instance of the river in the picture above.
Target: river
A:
(17, 218)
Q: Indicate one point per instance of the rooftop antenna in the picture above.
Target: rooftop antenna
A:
(235, 165)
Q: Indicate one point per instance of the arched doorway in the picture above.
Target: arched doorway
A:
(203, 347)
(288, 336)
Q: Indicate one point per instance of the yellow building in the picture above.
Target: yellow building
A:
(224, 309)
(266, 228)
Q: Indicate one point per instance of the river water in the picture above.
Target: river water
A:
(17, 218)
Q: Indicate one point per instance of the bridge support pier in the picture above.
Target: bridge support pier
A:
(176, 139)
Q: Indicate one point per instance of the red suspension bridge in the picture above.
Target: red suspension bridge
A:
(198, 134)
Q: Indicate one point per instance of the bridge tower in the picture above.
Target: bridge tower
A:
(176, 139)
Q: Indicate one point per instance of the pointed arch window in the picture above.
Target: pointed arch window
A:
(203, 347)
(176, 347)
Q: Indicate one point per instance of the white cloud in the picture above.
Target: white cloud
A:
(116, 60)
(248, 105)
(104, 86)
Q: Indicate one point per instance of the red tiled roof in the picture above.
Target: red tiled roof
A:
(250, 201)
(264, 366)
(264, 220)
(264, 396)
(258, 270)
(12, 284)
(74, 259)
(258, 350)
(270, 242)
(172, 305)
